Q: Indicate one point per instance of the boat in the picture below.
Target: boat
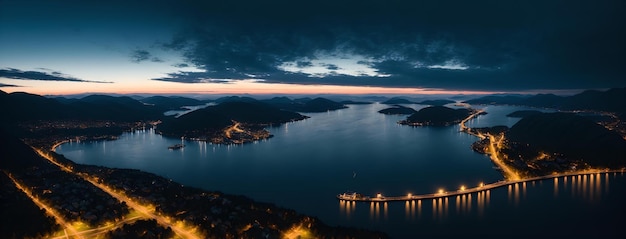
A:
(176, 146)
(350, 196)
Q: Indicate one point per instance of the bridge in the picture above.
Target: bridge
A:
(463, 191)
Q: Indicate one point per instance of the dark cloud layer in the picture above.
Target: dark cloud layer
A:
(138, 56)
(449, 44)
(8, 85)
(12, 73)
(502, 44)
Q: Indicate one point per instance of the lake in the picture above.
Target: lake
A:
(308, 162)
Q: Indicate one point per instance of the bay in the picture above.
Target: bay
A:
(308, 162)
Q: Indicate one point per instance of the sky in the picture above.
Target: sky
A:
(311, 47)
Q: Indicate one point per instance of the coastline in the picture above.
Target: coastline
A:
(470, 114)
(54, 147)
(138, 189)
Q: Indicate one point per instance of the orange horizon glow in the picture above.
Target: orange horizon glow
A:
(237, 87)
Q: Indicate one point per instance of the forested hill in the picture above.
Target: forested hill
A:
(438, 116)
(20, 106)
(220, 116)
(573, 136)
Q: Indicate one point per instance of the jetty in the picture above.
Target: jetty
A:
(442, 193)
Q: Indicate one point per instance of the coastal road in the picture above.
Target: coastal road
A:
(495, 143)
(466, 129)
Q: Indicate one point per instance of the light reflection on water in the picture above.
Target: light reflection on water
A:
(308, 162)
(588, 187)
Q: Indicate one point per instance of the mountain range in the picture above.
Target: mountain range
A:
(612, 100)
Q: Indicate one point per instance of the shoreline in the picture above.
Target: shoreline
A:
(109, 180)
(54, 147)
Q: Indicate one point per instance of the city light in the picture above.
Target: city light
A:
(49, 209)
(494, 145)
(147, 210)
(298, 232)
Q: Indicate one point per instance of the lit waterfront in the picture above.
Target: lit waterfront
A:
(589, 187)
(308, 162)
(443, 193)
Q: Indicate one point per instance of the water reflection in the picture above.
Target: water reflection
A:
(587, 187)
(347, 207)
(375, 209)
(481, 202)
(590, 188)
(410, 209)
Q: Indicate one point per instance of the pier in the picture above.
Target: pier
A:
(463, 191)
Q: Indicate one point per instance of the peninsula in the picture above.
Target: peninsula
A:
(228, 123)
(545, 143)
(437, 116)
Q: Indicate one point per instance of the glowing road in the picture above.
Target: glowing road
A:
(494, 145)
(91, 233)
(59, 219)
(179, 228)
(467, 129)
(234, 127)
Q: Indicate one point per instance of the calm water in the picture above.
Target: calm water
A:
(308, 162)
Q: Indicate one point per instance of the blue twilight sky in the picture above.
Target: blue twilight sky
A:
(245, 46)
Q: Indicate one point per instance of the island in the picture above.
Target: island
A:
(231, 122)
(397, 110)
(437, 116)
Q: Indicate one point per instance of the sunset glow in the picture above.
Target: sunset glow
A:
(236, 87)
